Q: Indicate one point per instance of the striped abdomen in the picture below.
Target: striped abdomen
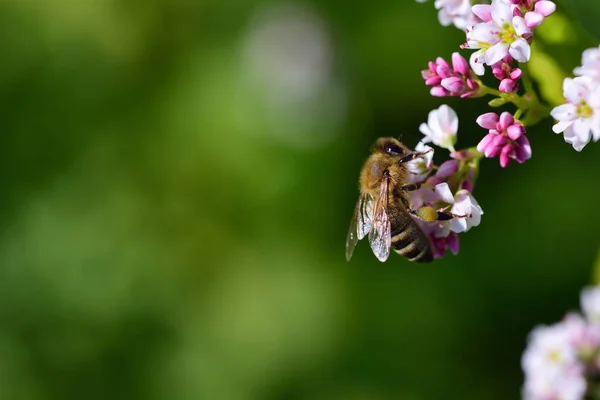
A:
(408, 239)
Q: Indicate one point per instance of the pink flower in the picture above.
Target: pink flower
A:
(445, 80)
(440, 245)
(508, 75)
(506, 138)
(447, 169)
(534, 11)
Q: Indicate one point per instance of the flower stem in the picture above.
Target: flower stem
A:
(536, 111)
(518, 113)
(527, 82)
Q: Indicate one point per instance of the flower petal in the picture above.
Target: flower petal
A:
(424, 128)
(477, 66)
(488, 120)
(444, 193)
(561, 126)
(496, 53)
(459, 64)
(501, 12)
(520, 26)
(483, 11)
(564, 112)
(545, 7)
(447, 168)
(520, 50)
(506, 120)
(485, 142)
(533, 19)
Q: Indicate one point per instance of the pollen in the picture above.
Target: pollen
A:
(554, 356)
(584, 110)
(507, 33)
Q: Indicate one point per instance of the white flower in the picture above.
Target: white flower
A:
(500, 34)
(441, 127)
(563, 387)
(550, 353)
(590, 303)
(579, 118)
(590, 64)
(464, 206)
(420, 168)
(455, 12)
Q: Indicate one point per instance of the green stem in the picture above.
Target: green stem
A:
(527, 82)
(518, 113)
(536, 111)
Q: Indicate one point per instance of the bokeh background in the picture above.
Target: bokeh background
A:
(177, 181)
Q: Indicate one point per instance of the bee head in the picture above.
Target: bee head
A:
(391, 146)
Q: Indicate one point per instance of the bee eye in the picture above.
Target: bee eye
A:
(393, 149)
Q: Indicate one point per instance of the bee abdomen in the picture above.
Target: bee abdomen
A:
(410, 241)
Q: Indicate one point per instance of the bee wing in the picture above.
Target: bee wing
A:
(380, 236)
(361, 223)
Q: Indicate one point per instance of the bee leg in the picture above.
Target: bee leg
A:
(428, 214)
(444, 216)
(412, 156)
(410, 187)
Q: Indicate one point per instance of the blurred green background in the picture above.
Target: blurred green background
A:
(178, 178)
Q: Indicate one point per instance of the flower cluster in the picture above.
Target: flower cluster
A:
(500, 34)
(447, 188)
(506, 138)
(561, 359)
(507, 74)
(579, 118)
(444, 80)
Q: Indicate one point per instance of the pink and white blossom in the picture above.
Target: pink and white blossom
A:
(441, 127)
(562, 358)
(550, 351)
(501, 33)
(464, 207)
(579, 118)
(467, 212)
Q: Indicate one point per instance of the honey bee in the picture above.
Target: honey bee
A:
(383, 209)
